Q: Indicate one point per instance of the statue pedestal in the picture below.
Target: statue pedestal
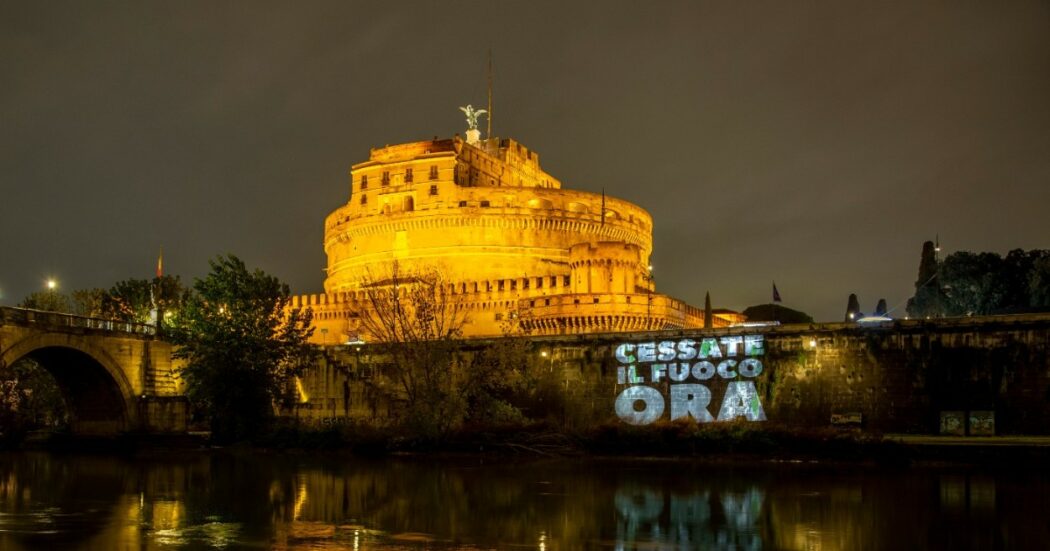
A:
(473, 136)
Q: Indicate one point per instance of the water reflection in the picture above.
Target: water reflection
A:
(301, 502)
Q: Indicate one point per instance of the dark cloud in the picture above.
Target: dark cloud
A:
(816, 144)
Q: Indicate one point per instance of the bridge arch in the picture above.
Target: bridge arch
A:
(97, 391)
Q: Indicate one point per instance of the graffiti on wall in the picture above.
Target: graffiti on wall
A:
(685, 368)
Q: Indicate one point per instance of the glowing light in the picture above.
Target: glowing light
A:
(300, 500)
(874, 319)
(303, 396)
(543, 353)
(851, 315)
(812, 343)
(51, 284)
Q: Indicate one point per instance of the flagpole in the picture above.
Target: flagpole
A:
(776, 296)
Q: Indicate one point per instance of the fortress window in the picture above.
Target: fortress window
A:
(513, 285)
(408, 175)
(566, 281)
(499, 316)
(546, 302)
(364, 183)
(525, 283)
(433, 172)
(364, 199)
(484, 203)
(433, 190)
(462, 203)
(501, 285)
(386, 179)
(596, 300)
(539, 282)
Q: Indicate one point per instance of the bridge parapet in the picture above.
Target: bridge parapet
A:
(57, 320)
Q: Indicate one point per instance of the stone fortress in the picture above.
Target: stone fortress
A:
(506, 238)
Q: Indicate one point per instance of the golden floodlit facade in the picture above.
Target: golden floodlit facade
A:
(506, 238)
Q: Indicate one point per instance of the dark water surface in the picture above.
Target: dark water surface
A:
(262, 501)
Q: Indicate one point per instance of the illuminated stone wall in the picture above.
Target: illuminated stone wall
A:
(895, 377)
(504, 235)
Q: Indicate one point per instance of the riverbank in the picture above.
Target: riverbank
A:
(718, 442)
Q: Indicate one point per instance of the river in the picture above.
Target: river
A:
(255, 500)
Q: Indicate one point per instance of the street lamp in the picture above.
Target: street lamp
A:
(549, 358)
(51, 284)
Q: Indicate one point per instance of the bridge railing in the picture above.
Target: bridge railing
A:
(28, 316)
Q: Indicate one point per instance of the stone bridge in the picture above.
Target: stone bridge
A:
(115, 377)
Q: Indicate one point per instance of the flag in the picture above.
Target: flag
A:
(160, 263)
(776, 294)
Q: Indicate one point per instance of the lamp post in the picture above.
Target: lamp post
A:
(52, 304)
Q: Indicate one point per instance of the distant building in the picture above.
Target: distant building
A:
(505, 236)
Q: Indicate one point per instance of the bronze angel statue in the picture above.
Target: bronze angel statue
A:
(472, 116)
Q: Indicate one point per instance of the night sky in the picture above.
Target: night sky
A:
(817, 144)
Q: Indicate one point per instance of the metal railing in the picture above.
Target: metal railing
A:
(28, 316)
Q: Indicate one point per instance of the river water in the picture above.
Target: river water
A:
(286, 501)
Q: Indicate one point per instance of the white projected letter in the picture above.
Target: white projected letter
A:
(678, 372)
(665, 351)
(691, 400)
(709, 349)
(750, 367)
(686, 349)
(654, 405)
(724, 368)
(647, 352)
(754, 345)
(732, 343)
(703, 371)
(741, 400)
(623, 353)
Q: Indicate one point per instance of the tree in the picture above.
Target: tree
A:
(48, 301)
(709, 318)
(242, 345)
(971, 283)
(929, 299)
(881, 308)
(29, 399)
(853, 308)
(133, 300)
(415, 322)
(88, 302)
(1039, 283)
(776, 312)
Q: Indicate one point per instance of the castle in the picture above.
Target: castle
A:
(506, 238)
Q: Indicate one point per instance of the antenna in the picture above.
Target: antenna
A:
(489, 115)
